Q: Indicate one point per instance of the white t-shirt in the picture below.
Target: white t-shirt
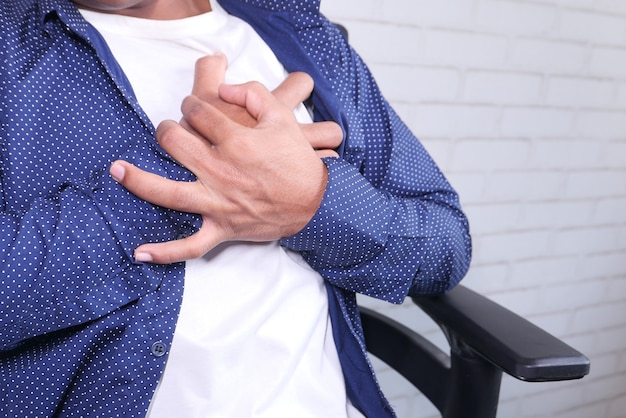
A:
(254, 337)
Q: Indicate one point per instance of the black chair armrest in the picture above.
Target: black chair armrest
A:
(505, 339)
(485, 340)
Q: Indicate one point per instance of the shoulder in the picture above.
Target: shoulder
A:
(17, 10)
(18, 17)
(275, 5)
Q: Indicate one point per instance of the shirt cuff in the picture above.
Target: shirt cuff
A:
(351, 224)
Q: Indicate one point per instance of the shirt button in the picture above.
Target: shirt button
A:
(158, 349)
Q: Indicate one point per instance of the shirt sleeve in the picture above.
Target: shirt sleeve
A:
(368, 241)
(68, 258)
(389, 224)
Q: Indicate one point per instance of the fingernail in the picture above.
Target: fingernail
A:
(117, 171)
(143, 257)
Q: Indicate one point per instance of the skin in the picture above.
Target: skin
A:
(259, 172)
(148, 9)
(260, 177)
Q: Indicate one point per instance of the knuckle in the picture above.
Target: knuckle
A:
(166, 134)
(305, 79)
(256, 87)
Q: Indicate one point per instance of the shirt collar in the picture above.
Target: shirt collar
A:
(299, 6)
(65, 11)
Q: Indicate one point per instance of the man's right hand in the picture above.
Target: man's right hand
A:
(258, 170)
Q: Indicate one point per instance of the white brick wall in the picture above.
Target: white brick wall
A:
(523, 105)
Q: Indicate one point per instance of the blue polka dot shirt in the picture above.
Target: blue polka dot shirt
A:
(85, 330)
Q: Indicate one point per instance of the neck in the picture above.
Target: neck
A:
(148, 9)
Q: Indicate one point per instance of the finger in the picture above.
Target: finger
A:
(212, 126)
(295, 89)
(322, 153)
(182, 196)
(183, 249)
(323, 134)
(255, 97)
(209, 75)
(184, 143)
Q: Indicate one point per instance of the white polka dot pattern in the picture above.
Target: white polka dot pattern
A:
(78, 319)
(389, 224)
(83, 330)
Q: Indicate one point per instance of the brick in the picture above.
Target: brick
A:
(605, 6)
(569, 154)
(350, 9)
(417, 84)
(579, 92)
(608, 62)
(606, 315)
(617, 407)
(450, 121)
(585, 240)
(522, 186)
(551, 400)
(606, 364)
(536, 122)
(465, 49)
(579, 4)
(616, 291)
(602, 125)
(505, 154)
(592, 27)
(508, 407)
(557, 214)
(486, 219)
(595, 184)
(610, 211)
(603, 265)
(620, 245)
(615, 155)
(606, 341)
(543, 55)
(612, 6)
(502, 87)
(516, 17)
(565, 296)
(598, 409)
(538, 272)
(525, 391)
(443, 13)
(379, 43)
(605, 389)
(514, 246)
(620, 100)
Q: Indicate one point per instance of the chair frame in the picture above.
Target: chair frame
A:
(485, 340)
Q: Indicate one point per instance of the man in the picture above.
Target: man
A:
(91, 300)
